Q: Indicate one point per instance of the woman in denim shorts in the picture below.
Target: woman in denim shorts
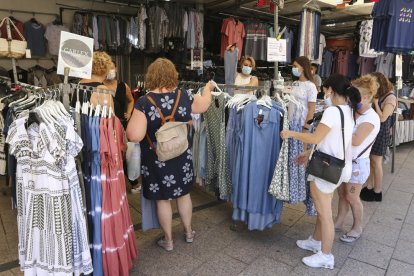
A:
(367, 126)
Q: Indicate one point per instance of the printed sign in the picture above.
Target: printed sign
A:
(196, 59)
(276, 49)
(75, 52)
(398, 66)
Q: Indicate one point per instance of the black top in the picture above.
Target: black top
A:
(120, 100)
(88, 93)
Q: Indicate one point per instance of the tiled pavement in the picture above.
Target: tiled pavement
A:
(386, 247)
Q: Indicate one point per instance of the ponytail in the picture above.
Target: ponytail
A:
(354, 97)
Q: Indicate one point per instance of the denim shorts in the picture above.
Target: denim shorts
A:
(360, 171)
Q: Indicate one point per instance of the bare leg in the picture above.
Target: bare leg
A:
(164, 212)
(352, 196)
(185, 208)
(343, 207)
(376, 162)
(371, 178)
(323, 204)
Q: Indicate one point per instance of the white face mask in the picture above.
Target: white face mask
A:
(111, 75)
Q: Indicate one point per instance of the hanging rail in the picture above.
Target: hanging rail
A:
(28, 12)
(240, 87)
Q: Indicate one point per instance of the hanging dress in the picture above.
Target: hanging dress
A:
(118, 236)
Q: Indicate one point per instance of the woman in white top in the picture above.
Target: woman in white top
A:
(328, 137)
(304, 89)
(367, 126)
(245, 78)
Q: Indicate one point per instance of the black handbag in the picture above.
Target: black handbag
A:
(325, 166)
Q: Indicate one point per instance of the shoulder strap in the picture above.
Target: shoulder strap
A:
(177, 101)
(342, 127)
(383, 99)
(159, 110)
(362, 152)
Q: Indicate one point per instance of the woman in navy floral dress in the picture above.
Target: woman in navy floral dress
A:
(172, 179)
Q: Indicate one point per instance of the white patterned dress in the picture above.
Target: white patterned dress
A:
(51, 226)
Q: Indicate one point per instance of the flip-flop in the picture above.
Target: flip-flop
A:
(349, 239)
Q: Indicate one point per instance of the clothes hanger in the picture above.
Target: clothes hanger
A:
(313, 6)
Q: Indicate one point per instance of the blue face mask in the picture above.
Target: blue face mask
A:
(296, 72)
(246, 70)
(328, 101)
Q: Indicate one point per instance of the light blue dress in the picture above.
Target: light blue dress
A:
(257, 150)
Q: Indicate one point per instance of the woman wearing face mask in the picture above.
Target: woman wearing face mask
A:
(367, 126)
(328, 137)
(384, 104)
(123, 107)
(245, 78)
(304, 90)
(123, 100)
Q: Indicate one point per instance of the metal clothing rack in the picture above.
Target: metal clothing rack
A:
(240, 87)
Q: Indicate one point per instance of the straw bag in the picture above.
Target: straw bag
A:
(12, 48)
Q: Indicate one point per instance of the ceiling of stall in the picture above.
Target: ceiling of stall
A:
(335, 21)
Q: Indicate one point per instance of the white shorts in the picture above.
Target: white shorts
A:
(328, 187)
(360, 171)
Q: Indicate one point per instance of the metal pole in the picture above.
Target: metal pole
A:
(276, 28)
(9, 38)
(394, 127)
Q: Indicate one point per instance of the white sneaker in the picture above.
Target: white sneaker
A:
(320, 260)
(310, 244)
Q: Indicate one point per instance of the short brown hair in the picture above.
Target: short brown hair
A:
(101, 63)
(367, 85)
(249, 58)
(385, 86)
(161, 74)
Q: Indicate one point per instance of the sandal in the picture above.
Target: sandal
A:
(189, 237)
(167, 245)
(349, 238)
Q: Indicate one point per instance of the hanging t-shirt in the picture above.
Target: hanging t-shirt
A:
(52, 35)
(385, 64)
(235, 34)
(15, 35)
(256, 40)
(34, 33)
(366, 65)
(322, 45)
(365, 41)
(289, 36)
(371, 117)
(401, 25)
(305, 92)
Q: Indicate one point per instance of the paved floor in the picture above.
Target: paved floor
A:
(386, 247)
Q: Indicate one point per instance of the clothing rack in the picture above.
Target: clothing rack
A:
(11, 11)
(80, 86)
(240, 87)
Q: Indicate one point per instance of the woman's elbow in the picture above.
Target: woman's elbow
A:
(134, 135)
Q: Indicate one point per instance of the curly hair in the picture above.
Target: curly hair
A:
(161, 74)
(385, 86)
(367, 85)
(249, 58)
(101, 63)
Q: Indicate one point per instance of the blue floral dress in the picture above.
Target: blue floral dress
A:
(173, 178)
